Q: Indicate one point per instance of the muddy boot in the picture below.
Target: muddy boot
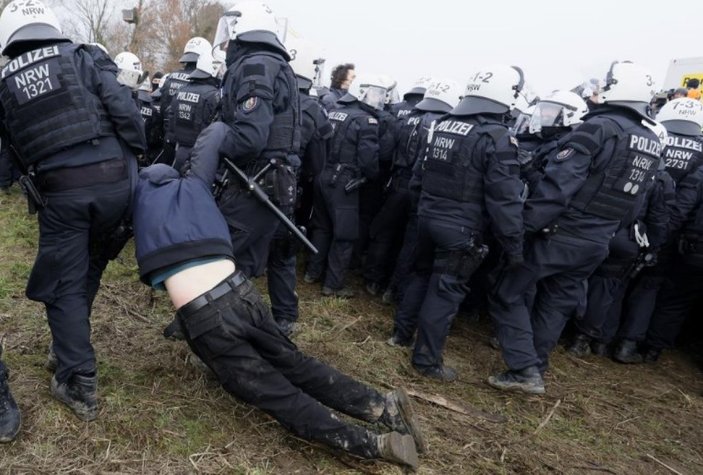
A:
(441, 373)
(626, 352)
(652, 355)
(599, 348)
(400, 417)
(398, 448)
(387, 297)
(399, 341)
(79, 393)
(528, 380)
(287, 326)
(494, 343)
(581, 346)
(343, 293)
(10, 418)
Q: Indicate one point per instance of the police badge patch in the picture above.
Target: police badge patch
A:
(250, 104)
(564, 154)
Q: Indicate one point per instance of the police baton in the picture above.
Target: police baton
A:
(261, 195)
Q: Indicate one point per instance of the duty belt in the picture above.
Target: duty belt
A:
(221, 289)
(61, 179)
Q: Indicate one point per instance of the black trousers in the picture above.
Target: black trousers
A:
(281, 275)
(236, 336)
(74, 228)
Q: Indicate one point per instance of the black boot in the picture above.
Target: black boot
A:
(581, 346)
(10, 418)
(79, 393)
(400, 417)
(652, 355)
(626, 352)
(397, 340)
(442, 373)
(528, 380)
(599, 348)
(51, 361)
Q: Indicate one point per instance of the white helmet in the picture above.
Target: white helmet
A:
(442, 95)
(492, 90)
(306, 60)
(101, 47)
(194, 48)
(204, 67)
(248, 20)
(420, 86)
(628, 85)
(27, 20)
(658, 128)
(130, 69)
(559, 109)
(682, 116)
(369, 89)
(391, 84)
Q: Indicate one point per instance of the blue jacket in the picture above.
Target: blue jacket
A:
(175, 217)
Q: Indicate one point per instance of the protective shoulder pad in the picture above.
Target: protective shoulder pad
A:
(590, 136)
(99, 57)
(257, 74)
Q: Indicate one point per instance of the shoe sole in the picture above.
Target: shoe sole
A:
(515, 387)
(411, 422)
(403, 450)
(83, 413)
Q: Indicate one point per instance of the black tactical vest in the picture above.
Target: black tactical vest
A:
(612, 190)
(284, 136)
(192, 110)
(176, 80)
(47, 107)
(452, 166)
(343, 150)
(682, 155)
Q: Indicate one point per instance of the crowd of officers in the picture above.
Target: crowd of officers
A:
(576, 206)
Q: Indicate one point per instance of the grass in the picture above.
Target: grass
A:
(159, 414)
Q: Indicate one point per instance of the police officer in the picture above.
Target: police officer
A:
(193, 108)
(682, 156)
(594, 182)
(470, 179)
(77, 129)
(411, 98)
(316, 131)
(390, 223)
(260, 102)
(131, 74)
(173, 82)
(10, 417)
(341, 79)
(551, 119)
(352, 161)
(153, 122)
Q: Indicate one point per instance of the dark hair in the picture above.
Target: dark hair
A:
(339, 75)
(693, 82)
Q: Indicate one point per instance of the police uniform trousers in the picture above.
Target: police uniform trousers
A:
(678, 292)
(74, 228)
(403, 265)
(642, 296)
(557, 267)
(252, 227)
(434, 293)
(235, 335)
(181, 156)
(606, 290)
(281, 275)
(336, 229)
(8, 172)
(386, 235)
(371, 199)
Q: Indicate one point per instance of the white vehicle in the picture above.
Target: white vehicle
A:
(681, 70)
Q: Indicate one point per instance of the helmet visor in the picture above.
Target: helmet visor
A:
(547, 114)
(226, 30)
(374, 96)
